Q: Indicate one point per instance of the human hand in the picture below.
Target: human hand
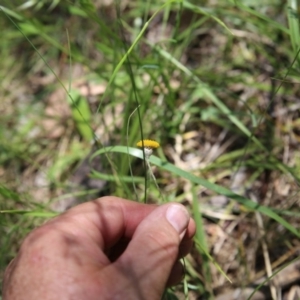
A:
(109, 248)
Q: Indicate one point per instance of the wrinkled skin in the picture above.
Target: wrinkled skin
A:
(109, 248)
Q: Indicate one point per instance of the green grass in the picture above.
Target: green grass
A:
(215, 84)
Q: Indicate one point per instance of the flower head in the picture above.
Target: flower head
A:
(148, 145)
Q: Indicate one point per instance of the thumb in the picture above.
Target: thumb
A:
(153, 250)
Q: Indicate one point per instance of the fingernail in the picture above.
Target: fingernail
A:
(178, 217)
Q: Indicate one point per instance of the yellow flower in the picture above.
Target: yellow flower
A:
(148, 144)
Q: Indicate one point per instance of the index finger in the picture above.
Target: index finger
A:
(104, 220)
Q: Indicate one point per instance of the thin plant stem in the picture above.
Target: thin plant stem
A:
(154, 179)
(129, 160)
